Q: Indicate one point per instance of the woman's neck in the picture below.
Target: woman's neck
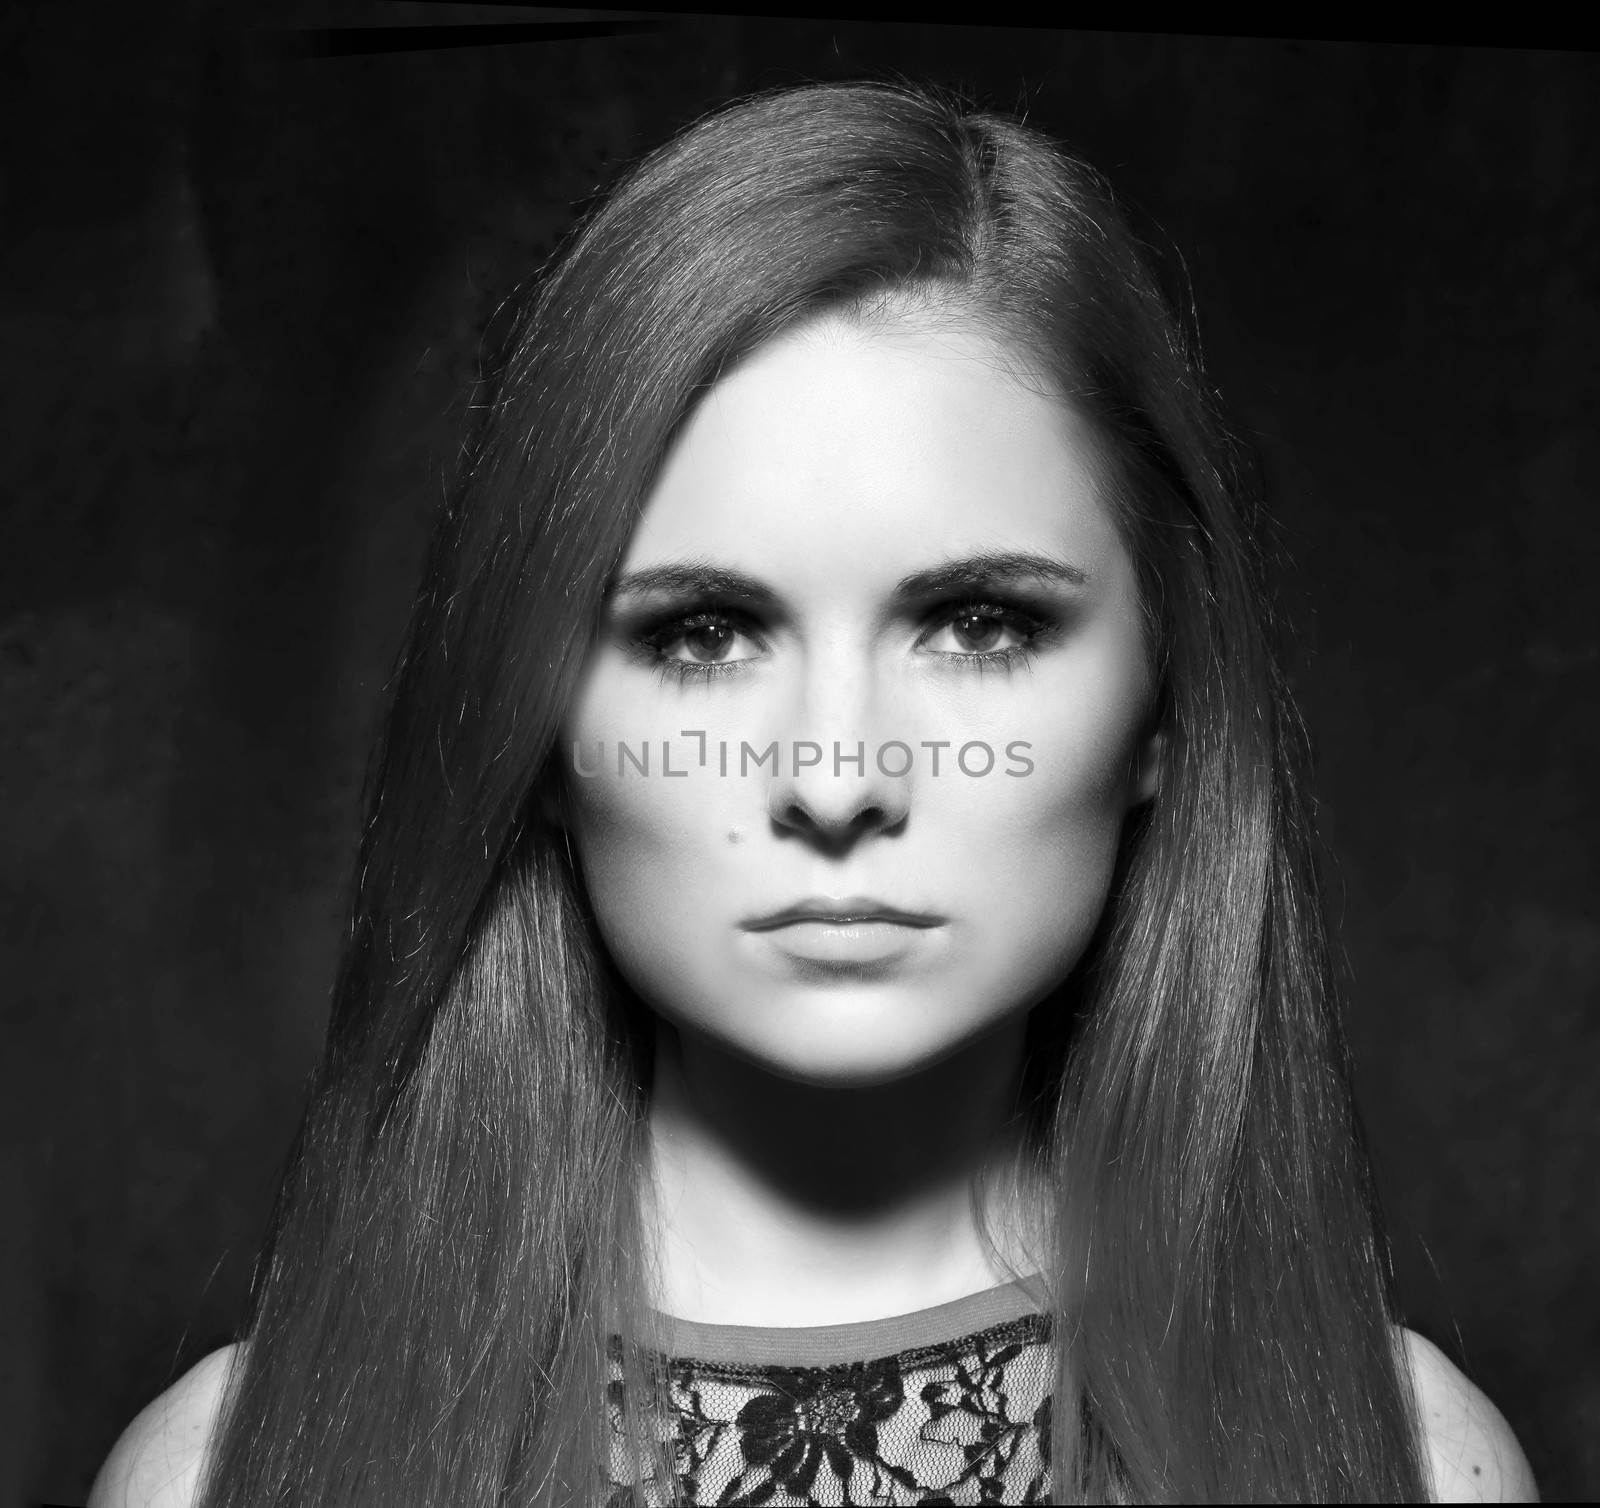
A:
(773, 1202)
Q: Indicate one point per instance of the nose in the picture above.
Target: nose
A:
(830, 785)
(834, 815)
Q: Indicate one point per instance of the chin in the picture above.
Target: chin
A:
(844, 1071)
(827, 1055)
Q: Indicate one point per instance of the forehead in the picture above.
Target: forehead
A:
(845, 443)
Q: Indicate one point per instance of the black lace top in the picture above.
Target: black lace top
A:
(946, 1405)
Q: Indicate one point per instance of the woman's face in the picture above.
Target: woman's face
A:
(871, 537)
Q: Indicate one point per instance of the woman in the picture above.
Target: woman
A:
(836, 1006)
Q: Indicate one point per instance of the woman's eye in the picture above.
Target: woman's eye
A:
(700, 644)
(708, 642)
(983, 630)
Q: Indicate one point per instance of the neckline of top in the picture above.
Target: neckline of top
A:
(859, 1340)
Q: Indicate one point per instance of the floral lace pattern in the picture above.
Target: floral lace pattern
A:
(962, 1421)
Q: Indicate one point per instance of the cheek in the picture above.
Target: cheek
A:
(1047, 842)
(635, 839)
(657, 864)
(1046, 850)
(629, 861)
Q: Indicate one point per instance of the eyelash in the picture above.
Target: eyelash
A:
(1010, 615)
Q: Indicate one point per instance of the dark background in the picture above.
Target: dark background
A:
(242, 288)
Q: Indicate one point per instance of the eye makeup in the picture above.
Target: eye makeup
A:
(710, 625)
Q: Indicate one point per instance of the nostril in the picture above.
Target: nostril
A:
(836, 832)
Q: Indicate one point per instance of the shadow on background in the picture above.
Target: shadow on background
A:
(244, 284)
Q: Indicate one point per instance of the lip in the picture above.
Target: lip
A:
(842, 911)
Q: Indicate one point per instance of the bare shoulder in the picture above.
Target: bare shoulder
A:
(156, 1462)
(1472, 1453)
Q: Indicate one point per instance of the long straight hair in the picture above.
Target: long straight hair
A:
(457, 1236)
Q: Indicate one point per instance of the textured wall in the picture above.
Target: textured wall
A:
(241, 298)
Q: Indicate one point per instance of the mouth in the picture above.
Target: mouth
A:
(843, 911)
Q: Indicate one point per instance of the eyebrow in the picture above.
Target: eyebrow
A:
(966, 573)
